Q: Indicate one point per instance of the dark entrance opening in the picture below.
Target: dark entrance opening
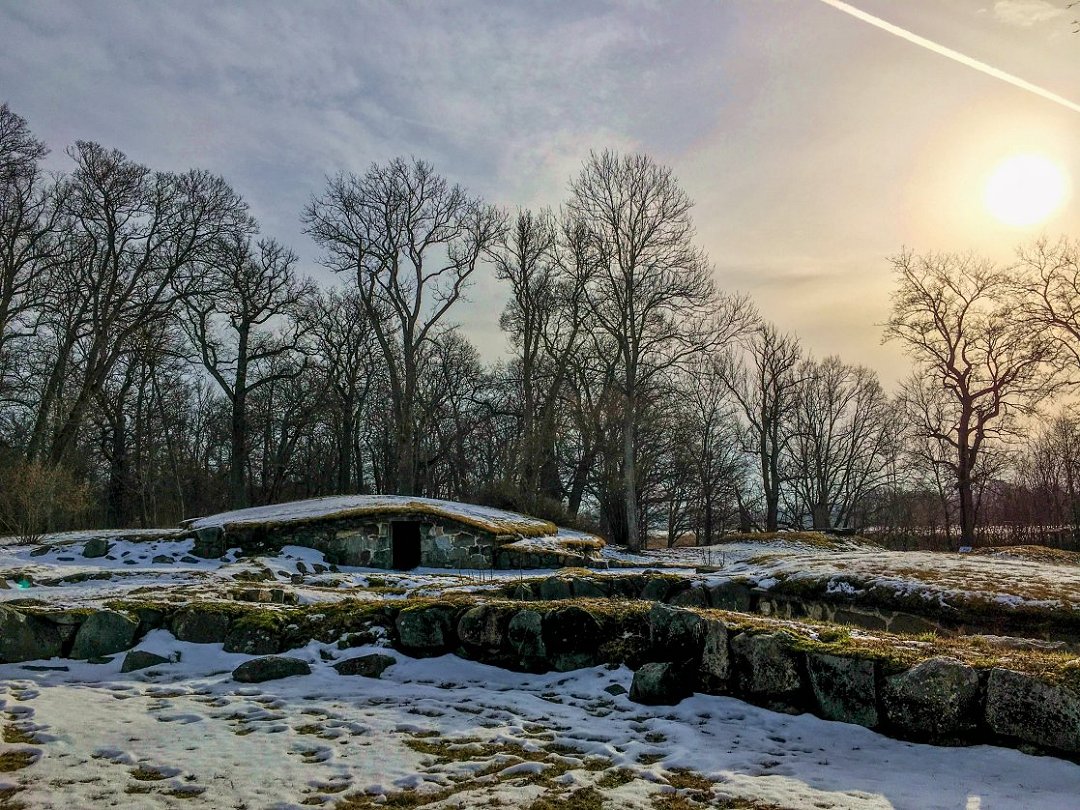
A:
(405, 543)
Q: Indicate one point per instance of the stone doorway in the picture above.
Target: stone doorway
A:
(405, 543)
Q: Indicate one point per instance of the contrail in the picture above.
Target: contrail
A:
(949, 53)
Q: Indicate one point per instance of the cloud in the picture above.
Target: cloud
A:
(1026, 13)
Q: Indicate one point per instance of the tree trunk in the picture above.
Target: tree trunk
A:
(633, 527)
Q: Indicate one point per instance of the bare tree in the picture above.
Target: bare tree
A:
(133, 236)
(649, 288)
(342, 345)
(411, 241)
(544, 319)
(30, 216)
(958, 318)
(764, 385)
(844, 435)
(242, 320)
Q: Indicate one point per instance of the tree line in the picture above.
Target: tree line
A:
(161, 357)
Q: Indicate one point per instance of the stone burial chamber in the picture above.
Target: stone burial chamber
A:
(397, 532)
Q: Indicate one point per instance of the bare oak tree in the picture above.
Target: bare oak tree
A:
(763, 382)
(649, 287)
(241, 323)
(958, 318)
(411, 241)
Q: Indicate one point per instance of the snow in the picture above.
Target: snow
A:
(323, 736)
(1009, 581)
(497, 519)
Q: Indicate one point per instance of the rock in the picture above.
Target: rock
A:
(731, 595)
(1013, 643)
(301, 568)
(675, 635)
(103, 633)
(555, 589)
(26, 637)
(660, 684)
(270, 668)
(200, 625)
(656, 589)
(522, 592)
(140, 659)
(844, 688)
(209, 543)
(615, 689)
(39, 551)
(150, 618)
(370, 666)
(715, 667)
(426, 630)
(766, 666)
(187, 558)
(482, 629)
(100, 659)
(162, 559)
(572, 637)
(1027, 708)
(691, 597)
(251, 638)
(937, 700)
(524, 635)
(98, 547)
(585, 588)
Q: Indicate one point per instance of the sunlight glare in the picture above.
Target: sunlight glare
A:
(1024, 190)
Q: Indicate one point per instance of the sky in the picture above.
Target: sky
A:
(815, 144)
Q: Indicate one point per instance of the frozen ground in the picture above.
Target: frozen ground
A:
(1010, 580)
(464, 734)
(62, 575)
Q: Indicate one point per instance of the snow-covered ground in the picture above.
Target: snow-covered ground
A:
(186, 735)
(1010, 580)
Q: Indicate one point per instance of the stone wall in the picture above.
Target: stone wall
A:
(927, 697)
(360, 541)
(1061, 628)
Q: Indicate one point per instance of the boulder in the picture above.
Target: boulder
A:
(715, 667)
(660, 684)
(251, 638)
(674, 634)
(482, 629)
(555, 589)
(691, 597)
(731, 595)
(428, 630)
(27, 637)
(103, 633)
(370, 666)
(270, 668)
(98, 547)
(587, 588)
(140, 659)
(1030, 709)
(572, 638)
(844, 688)
(657, 589)
(162, 559)
(936, 700)
(201, 624)
(766, 666)
(209, 543)
(525, 637)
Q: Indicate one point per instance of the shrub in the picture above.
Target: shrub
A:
(36, 498)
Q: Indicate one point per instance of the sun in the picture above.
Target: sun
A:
(1024, 190)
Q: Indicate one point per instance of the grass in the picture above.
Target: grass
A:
(16, 760)
(13, 735)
